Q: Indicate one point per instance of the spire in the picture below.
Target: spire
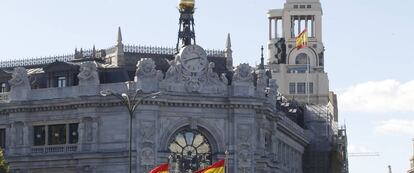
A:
(228, 53)
(93, 52)
(119, 38)
(228, 42)
(261, 67)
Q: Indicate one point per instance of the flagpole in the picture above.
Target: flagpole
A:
(307, 76)
(227, 161)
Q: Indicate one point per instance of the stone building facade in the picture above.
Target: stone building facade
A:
(54, 118)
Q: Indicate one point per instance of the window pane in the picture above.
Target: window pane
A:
(292, 88)
(2, 138)
(301, 88)
(3, 88)
(73, 133)
(311, 88)
(302, 59)
(39, 133)
(61, 81)
(57, 134)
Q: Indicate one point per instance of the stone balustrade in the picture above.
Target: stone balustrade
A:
(4, 97)
(54, 149)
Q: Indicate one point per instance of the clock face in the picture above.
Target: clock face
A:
(193, 58)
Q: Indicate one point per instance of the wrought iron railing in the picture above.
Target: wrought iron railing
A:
(35, 61)
(165, 50)
(86, 53)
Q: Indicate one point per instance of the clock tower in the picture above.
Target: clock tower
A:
(299, 72)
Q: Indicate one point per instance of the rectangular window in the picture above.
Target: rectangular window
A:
(39, 135)
(310, 88)
(61, 81)
(57, 134)
(2, 138)
(301, 88)
(292, 88)
(73, 133)
(3, 88)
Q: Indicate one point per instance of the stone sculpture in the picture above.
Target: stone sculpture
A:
(88, 74)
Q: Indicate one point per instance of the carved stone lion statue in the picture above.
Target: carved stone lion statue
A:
(88, 74)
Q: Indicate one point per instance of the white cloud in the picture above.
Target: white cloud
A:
(378, 96)
(403, 127)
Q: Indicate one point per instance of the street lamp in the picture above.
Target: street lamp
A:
(131, 105)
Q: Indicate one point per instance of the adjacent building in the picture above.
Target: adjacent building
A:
(278, 117)
(412, 162)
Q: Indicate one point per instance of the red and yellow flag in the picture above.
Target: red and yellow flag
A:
(217, 167)
(302, 39)
(163, 168)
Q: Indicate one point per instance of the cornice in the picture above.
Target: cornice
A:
(59, 105)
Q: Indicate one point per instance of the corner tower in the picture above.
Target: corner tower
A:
(299, 72)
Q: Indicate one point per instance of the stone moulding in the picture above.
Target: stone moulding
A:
(68, 106)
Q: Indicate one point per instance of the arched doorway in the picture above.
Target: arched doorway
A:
(190, 150)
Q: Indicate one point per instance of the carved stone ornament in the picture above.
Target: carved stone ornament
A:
(243, 73)
(147, 157)
(244, 133)
(191, 72)
(20, 85)
(147, 77)
(173, 72)
(244, 160)
(147, 131)
(88, 74)
(223, 78)
(146, 68)
(19, 78)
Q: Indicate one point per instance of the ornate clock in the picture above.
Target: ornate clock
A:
(193, 58)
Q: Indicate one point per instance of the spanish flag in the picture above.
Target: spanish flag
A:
(302, 39)
(217, 167)
(163, 168)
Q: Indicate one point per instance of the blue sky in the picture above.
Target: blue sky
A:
(368, 52)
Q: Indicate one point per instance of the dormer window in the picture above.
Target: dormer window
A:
(3, 88)
(61, 81)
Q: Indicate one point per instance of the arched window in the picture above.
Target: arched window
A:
(302, 58)
(190, 150)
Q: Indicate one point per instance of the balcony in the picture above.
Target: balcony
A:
(55, 149)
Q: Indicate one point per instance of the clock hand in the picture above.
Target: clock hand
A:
(193, 58)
